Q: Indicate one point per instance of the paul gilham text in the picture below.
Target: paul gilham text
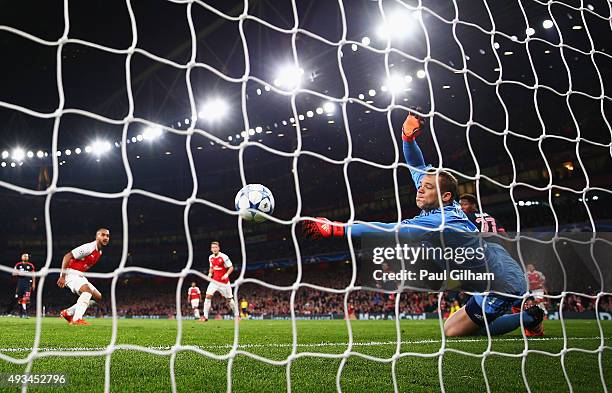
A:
(409, 275)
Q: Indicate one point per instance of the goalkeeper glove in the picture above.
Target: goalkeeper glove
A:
(317, 230)
(411, 128)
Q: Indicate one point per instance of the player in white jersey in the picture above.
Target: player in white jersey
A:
(220, 268)
(193, 297)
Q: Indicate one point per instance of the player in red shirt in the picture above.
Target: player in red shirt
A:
(536, 282)
(193, 297)
(220, 268)
(75, 263)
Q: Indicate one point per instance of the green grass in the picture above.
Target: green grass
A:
(136, 371)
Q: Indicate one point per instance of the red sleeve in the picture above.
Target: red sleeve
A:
(33, 268)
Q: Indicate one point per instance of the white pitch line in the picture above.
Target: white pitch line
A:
(306, 345)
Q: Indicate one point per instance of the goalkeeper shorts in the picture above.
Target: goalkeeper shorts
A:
(494, 307)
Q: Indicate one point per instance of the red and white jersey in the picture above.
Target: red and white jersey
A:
(536, 280)
(193, 293)
(85, 256)
(219, 265)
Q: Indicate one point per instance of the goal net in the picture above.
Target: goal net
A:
(515, 102)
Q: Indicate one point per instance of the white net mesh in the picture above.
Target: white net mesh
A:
(463, 69)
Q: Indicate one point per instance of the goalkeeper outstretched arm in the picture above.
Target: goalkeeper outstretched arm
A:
(431, 189)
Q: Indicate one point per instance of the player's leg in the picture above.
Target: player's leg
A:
(210, 291)
(226, 292)
(195, 305)
(469, 319)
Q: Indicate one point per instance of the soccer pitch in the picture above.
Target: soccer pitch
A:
(137, 371)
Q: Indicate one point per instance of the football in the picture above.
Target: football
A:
(252, 200)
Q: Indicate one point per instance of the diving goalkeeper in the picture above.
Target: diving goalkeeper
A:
(431, 190)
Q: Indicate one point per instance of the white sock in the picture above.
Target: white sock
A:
(72, 309)
(23, 305)
(196, 313)
(232, 305)
(81, 306)
(206, 308)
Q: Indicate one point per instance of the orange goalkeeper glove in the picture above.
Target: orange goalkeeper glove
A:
(317, 230)
(411, 128)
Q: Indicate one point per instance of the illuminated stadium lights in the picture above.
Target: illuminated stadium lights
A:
(267, 88)
(530, 31)
(3, 164)
(595, 197)
(68, 152)
(420, 74)
(88, 149)
(361, 96)
(547, 51)
(396, 83)
(289, 77)
(309, 114)
(186, 121)
(383, 88)
(100, 147)
(508, 53)
(40, 154)
(258, 91)
(407, 78)
(139, 138)
(365, 40)
(397, 24)
(13, 165)
(371, 92)
(77, 150)
(354, 47)
(329, 107)
(133, 139)
(576, 27)
(18, 154)
(30, 154)
(547, 24)
(258, 129)
(496, 45)
(213, 109)
(5, 155)
(151, 133)
(301, 117)
(319, 111)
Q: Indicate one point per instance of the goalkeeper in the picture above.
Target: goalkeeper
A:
(431, 190)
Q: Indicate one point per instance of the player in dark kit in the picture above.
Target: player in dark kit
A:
(484, 222)
(26, 284)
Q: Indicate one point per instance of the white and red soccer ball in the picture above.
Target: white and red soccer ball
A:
(252, 200)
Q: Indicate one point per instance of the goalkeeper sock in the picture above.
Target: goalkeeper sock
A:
(196, 313)
(232, 305)
(81, 306)
(206, 308)
(507, 323)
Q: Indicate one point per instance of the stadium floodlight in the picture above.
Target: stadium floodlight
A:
(30, 154)
(214, 109)
(371, 92)
(77, 150)
(421, 74)
(13, 165)
(547, 24)
(397, 24)
(329, 107)
(309, 114)
(100, 147)
(3, 164)
(151, 133)
(139, 137)
(289, 77)
(68, 152)
(18, 154)
(530, 31)
(354, 47)
(396, 83)
(5, 155)
(319, 111)
(365, 40)
(40, 154)
(258, 129)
